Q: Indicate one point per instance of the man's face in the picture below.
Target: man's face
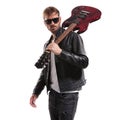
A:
(52, 22)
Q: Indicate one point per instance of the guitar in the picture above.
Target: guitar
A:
(79, 21)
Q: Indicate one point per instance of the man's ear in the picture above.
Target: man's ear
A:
(60, 19)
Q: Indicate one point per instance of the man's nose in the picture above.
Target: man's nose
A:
(52, 22)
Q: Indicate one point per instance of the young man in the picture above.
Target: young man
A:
(64, 75)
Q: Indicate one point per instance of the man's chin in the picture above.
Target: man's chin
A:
(53, 30)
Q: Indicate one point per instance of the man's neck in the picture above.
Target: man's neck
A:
(53, 36)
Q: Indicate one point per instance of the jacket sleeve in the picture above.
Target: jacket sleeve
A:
(40, 84)
(77, 55)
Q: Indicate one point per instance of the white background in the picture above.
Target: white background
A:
(22, 36)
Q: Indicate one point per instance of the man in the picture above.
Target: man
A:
(64, 75)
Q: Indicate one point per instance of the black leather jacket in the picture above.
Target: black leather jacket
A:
(69, 65)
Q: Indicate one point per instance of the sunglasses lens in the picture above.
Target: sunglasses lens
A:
(49, 21)
(55, 20)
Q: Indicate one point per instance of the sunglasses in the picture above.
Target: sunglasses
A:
(49, 21)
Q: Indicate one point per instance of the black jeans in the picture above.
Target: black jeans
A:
(62, 106)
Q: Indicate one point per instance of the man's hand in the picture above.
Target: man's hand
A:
(53, 47)
(32, 100)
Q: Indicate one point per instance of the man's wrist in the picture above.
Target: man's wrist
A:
(59, 52)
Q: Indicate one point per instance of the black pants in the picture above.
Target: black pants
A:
(62, 106)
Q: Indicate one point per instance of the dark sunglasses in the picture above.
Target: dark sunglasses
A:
(49, 21)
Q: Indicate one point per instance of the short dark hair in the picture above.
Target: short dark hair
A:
(49, 10)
